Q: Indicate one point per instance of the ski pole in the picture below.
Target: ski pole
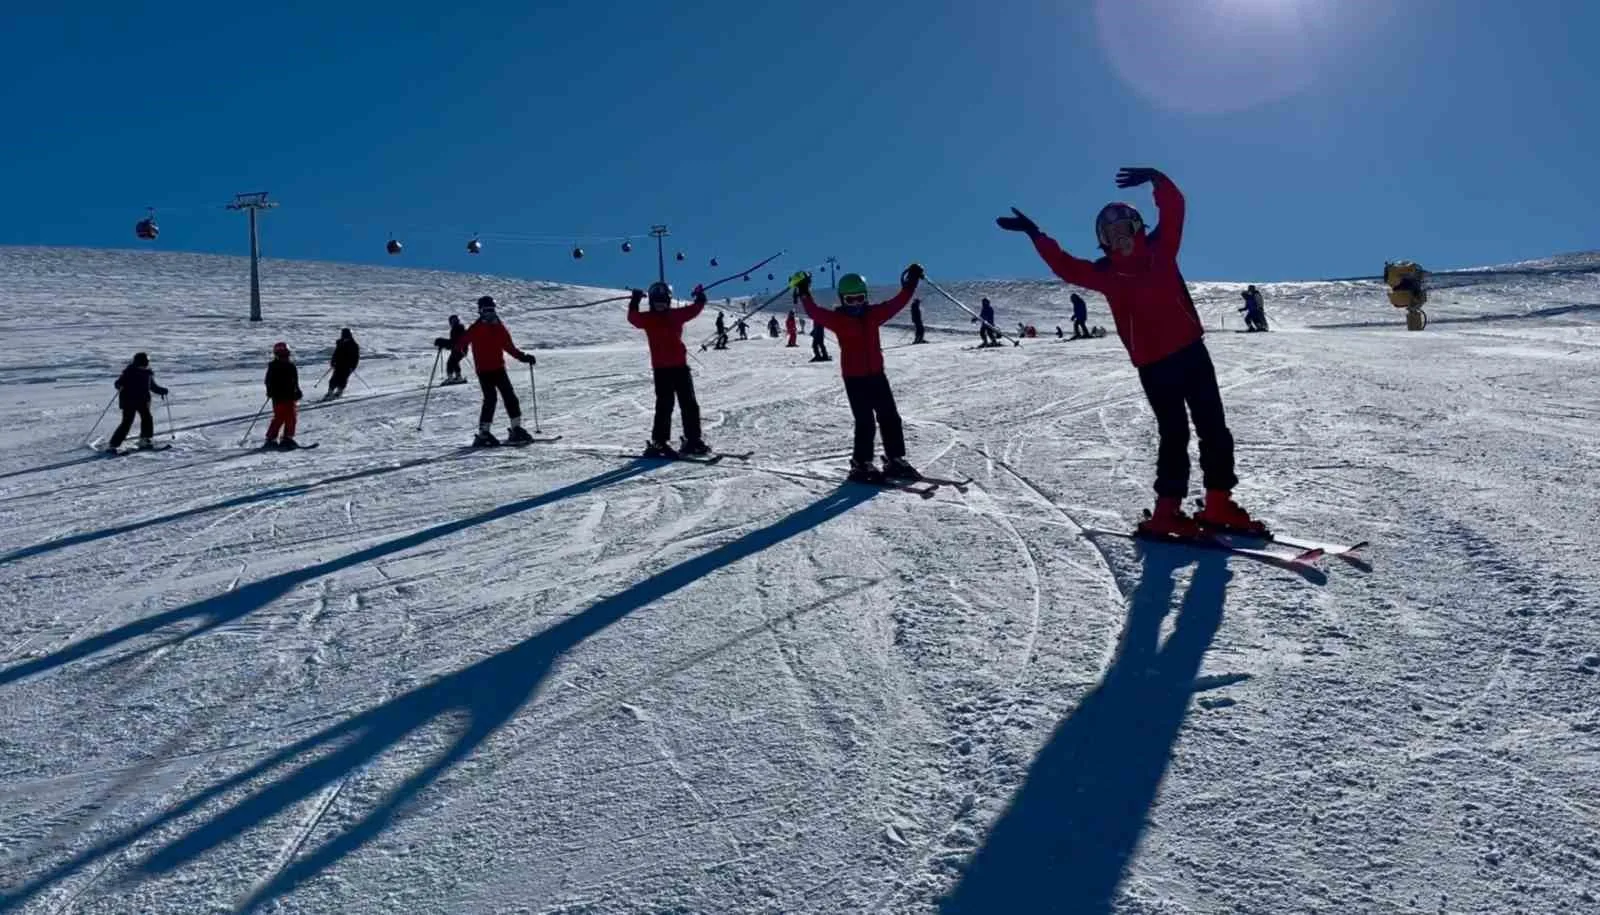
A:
(745, 272)
(252, 425)
(322, 376)
(957, 302)
(357, 376)
(429, 389)
(90, 437)
(533, 383)
(172, 433)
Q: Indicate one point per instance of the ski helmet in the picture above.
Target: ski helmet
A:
(660, 295)
(1110, 216)
(853, 290)
(486, 304)
(280, 348)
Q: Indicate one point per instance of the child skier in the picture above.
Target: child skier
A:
(1159, 326)
(283, 389)
(134, 387)
(790, 328)
(490, 341)
(1080, 317)
(346, 356)
(452, 365)
(819, 343)
(855, 325)
(772, 327)
(669, 365)
(988, 334)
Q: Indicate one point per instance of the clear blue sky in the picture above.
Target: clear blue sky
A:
(1312, 137)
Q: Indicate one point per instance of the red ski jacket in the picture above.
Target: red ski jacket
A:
(1150, 302)
(664, 331)
(488, 340)
(860, 352)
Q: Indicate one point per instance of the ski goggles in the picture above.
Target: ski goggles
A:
(1118, 222)
(854, 300)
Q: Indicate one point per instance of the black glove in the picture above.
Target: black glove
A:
(699, 295)
(1018, 223)
(527, 359)
(911, 276)
(1133, 177)
(636, 296)
(802, 286)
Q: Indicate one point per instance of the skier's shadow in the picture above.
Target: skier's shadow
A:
(481, 697)
(1065, 840)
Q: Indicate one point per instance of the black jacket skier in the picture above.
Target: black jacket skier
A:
(1080, 317)
(722, 332)
(346, 356)
(819, 343)
(134, 387)
(452, 365)
(772, 327)
(916, 321)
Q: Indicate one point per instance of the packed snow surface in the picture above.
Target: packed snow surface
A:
(394, 675)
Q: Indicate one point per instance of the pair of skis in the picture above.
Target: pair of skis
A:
(1301, 552)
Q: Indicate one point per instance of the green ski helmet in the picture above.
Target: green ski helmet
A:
(853, 290)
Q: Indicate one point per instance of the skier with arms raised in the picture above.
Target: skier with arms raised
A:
(855, 327)
(669, 365)
(1157, 321)
(490, 341)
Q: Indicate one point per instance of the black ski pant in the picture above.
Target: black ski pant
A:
(147, 424)
(675, 383)
(872, 403)
(492, 381)
(1080, 328)
(989, 335)
(1181, 387)
(918, 329)
(819, 348)
(340, 377)
(452, 366)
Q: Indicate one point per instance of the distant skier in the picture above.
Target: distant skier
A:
(987, 334)
(283, 389)
(134, 387)
(1080, 317)
(669, 365)
(855, 326)
(1160, 327)
(1060, 333)
(489, 341)
(772, 327)
(452, 365)
(346, 356)
(1255, 310)
(819, 343)
(722, 332)
(742, 328)
(916, 322)
(792, 330)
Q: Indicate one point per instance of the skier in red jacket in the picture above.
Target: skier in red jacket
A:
(669, 363)
(1159, 326)
(489, 341)
(792, 329)
(855, 327)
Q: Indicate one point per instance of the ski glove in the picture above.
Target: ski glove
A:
(700, 295)
(1018, 223)
(802, 286)
(1133, 177)
(912, 276)
(441, 343)
(527, 359)
(636, 296)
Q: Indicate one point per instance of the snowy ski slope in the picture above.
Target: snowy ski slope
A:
(391, 675)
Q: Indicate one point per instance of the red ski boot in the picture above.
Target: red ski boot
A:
(1220, 513)
(1169, 522)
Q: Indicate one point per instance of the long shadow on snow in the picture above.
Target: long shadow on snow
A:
(45, 468)
(277, 492)
(486, 694)
(1065, 840)
(225, 608)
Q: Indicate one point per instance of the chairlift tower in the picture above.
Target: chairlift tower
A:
(832, 264)
(658, 233)
(250, 203)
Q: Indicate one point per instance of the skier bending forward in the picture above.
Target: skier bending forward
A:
(1161, 330)
(855, 327)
